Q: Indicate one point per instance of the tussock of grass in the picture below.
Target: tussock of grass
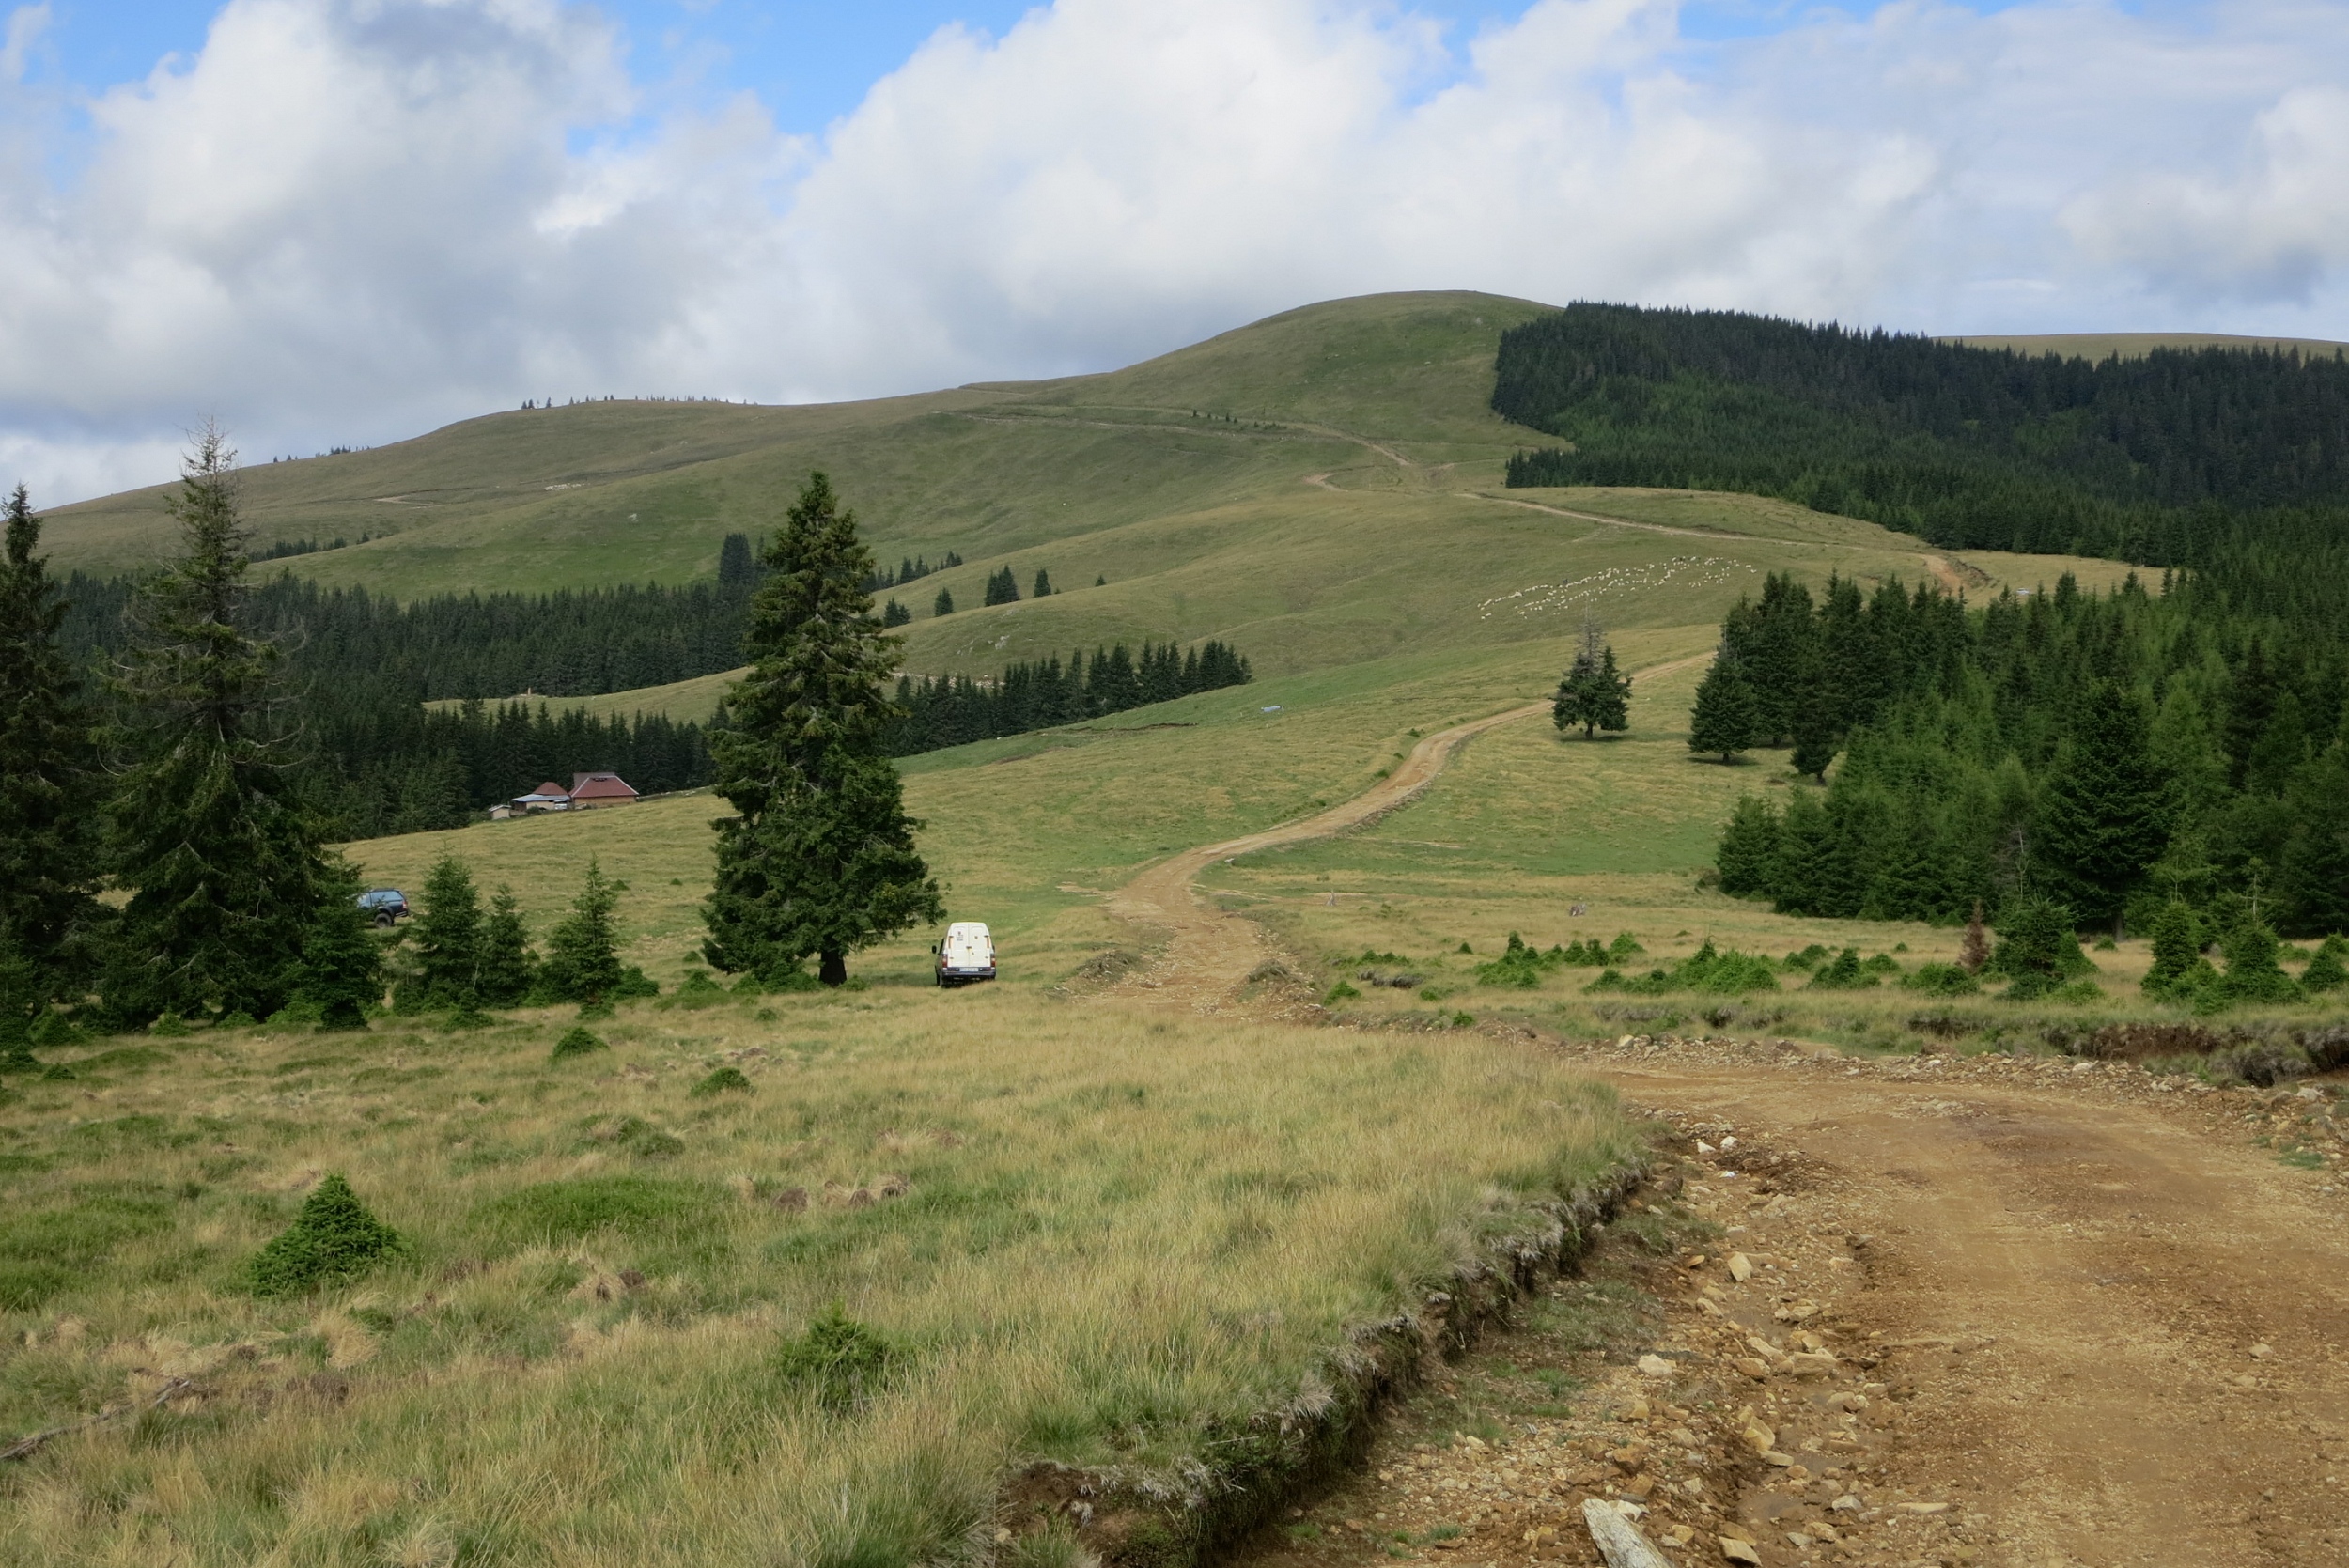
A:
(1092, 1235)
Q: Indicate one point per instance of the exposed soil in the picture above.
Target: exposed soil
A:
(2000, 1312)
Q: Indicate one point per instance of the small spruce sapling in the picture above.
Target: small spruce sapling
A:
(333, 1238)
(2326, 971)
(943, 604)
(2038, 949)
(2252, 972)
(578, 1042)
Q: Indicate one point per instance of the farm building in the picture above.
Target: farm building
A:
(547, 796)
(591, 791)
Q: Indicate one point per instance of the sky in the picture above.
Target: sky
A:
(344, 221)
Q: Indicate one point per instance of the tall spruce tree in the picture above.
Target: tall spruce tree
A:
(507, 966)
(2313, 876)
(2104, 821)
(820, 859)
(1723, 719)
(1593, 693)
(446, 937)
(1749, 850)
(49, 780)
(583, 948)
(207, 827)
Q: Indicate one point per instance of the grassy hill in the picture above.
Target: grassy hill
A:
(1320, 488)
(1083, 1231)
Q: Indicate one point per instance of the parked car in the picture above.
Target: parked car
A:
(385, 905)
(968, 953)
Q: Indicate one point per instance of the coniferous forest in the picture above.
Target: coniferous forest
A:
(956, 709)
(2230, 461)
(374, 760)
(2117, 755)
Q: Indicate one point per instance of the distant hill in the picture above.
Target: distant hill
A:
(2198, 457)
(1318, 488)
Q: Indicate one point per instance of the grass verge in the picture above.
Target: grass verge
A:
(1082, 1239)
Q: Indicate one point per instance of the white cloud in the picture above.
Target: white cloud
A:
(347, 220)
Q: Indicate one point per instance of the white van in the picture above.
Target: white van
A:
(967, 953)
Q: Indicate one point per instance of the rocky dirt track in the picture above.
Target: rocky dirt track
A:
(1989, 1311)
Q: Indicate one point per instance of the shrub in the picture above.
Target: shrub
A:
(1847, 973)
(1340, 992)
(170, 1026)
(53, 1028)
(2038, 951)
(1520, 966)
(698, 990)
(838, 1363)
(723, 1080)
(333, 1238)
(1808, 959)
(578, 1041)
(2252, 972)
(1941, 980)
(1721, 973)
(2326, 971)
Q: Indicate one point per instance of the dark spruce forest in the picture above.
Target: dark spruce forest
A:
(2176, 751)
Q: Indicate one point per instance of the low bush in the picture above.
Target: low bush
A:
(332, 1240)
(1520, 966)
(1847, 973)
(1941, 980)
(837, 1362)
(724, 1080)
(1709, 969)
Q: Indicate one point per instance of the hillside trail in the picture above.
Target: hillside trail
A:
(2096, 1326)
(1210, 954)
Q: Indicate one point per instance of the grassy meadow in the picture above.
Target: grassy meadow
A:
(1526, 825)
(1320, 489)
(1082, 1234)
(1074, 1229)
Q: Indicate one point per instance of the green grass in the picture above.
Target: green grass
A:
(1321, 489)
(945, 1235)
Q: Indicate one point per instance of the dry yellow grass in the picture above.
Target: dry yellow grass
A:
(1115, 1229)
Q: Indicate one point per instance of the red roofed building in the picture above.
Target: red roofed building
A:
(590, 791)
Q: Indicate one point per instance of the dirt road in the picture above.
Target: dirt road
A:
(2124, 1324)
(1209, 953)
(2087, 1319)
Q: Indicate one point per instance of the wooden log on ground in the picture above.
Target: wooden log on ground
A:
(1619, 1540)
